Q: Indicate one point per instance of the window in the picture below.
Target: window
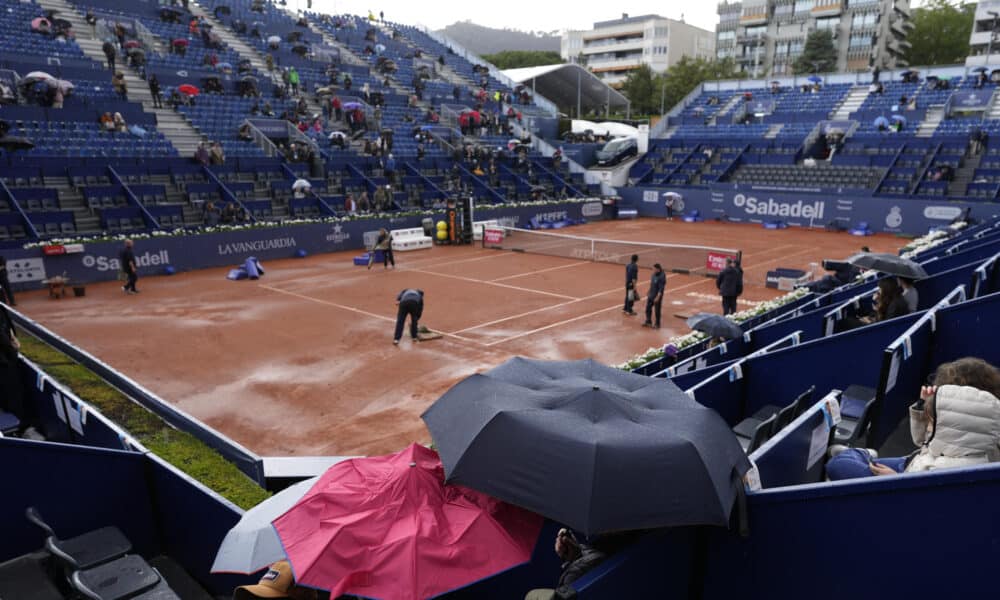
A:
(726, 36)
(755, 30)
(831, 23)
(803, 6)
(865, 19)
(859, 40)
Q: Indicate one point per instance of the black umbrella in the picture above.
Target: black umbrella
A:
(590, 446)
(300, 49)
(716, 326)
(889, 264)
(248, 79)
(223, 10)
(16, 143)
(61, 24)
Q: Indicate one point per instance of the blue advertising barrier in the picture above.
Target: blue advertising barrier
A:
(99, 261)
(957, 326)
(740, 205)
(785, 458)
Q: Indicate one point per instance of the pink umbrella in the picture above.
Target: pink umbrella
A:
(187, 88)
(133, 44)
(39, 22)
(388, 527)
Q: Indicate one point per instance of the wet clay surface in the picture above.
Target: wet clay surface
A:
(301, 362)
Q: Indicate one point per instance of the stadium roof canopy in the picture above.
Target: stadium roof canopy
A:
(568, 84)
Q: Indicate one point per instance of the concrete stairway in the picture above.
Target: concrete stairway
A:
(71, 199)
(994, 112)
(964, 175)
(725, 110)
(773, 131)
(932, 119)
(171, 124)
(852, 102)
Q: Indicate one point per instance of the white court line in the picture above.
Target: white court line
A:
(487, 282)
(587, 262)
(571, 320)
(357, 310)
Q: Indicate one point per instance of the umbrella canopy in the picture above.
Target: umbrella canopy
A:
(379, 48)
(815, 79)
(171, 11)
(715, 326)
(39, 22)
(62, 24)
(133, 44)
(180, 42)
(187, 88)
(337, 134)
(224, 65)
(274, 40)
(252, 544)
(63, 85)
(248, 79)
(674, 195)
(16, 143)
(387, 527)
(597, 449)
(889, 264)
(301, 184)
(35, 76)
(351, 105)
(907, 73)
(980, 70)
(880, 122)
(899, 118)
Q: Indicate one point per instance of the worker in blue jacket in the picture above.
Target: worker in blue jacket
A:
(410, 302)
(654, 297)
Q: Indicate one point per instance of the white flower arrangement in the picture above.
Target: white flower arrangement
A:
(161, 233)
(931, 240)
(683, 341)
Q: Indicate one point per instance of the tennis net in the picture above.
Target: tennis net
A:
(701, 260)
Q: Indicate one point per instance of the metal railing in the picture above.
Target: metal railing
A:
(265, 143)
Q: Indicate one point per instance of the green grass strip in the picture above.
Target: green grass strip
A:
(182, 450)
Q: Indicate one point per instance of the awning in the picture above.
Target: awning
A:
(558, 83)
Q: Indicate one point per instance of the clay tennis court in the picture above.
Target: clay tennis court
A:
(301, 362)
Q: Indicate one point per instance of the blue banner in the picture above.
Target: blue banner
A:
(100, 262)
(966, 100)
(740, 205)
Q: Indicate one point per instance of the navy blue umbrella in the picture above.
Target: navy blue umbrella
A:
(716, 326)
(593, 447)
(980, 70)
(815, 79)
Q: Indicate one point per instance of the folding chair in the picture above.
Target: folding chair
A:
(86, 550)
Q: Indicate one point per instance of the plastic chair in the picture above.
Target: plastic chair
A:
(86, 550)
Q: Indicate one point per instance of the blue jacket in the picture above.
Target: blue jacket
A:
(657, 284)
(411, 295)
(631, 273)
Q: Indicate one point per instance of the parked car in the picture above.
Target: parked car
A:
(616, 151)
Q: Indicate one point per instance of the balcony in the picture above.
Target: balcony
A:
(898, 47)
(901, 26)
(756, 18)
(827, 8)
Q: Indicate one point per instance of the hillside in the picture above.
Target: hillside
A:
(486, 40)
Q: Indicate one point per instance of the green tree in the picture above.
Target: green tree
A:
(516, 59)
(940, 34)
(819, 54)
(647, 92)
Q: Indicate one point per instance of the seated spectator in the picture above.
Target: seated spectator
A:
(229, 213)
(210, 214)
(577, 560)
(107, 121)
(364, 202)
(245, 133)
(909, 293)
(201, 154)
(118, 83)
(350, 206)
(217, 156)
(119, 122)
(955, 423)
(889, 302)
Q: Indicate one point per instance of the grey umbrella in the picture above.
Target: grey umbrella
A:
(587, 445)
(716, 326)
(888, 263)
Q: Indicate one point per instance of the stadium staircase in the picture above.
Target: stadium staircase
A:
(725, 110)
(184, 137)
(852, 102)
(994, 111)
(931, 121)
(773, 131)
(964, 175)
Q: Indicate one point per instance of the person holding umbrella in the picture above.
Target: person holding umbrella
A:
(410, 302)
(110, 52)
(631, 278)
(730, 285)
(654, 298)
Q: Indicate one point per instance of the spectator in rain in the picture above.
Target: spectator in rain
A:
(364, 201)
(909, 293)
(57, 97)
(954, 423)
(201, 154)
(888, 301)
(120, 125)
(980, 80)
(118, 82)
(229, 213)
(577, 559)
(245, 133)
(217, 155)
(730, 285)
(350, 206)
(107, 121)
(6, 294)
(110, 52)
(211, 215)
(379, 199)
(293, 80)
(337, 106)
(154, 91)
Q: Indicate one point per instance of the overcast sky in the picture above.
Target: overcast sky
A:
(526, 15)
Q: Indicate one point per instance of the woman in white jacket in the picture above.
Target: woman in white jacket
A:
(956, 423)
